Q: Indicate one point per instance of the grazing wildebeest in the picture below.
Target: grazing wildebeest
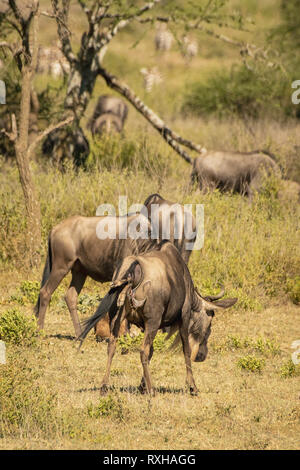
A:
(155, 290)
(74, 245)
(233, 171)
(162, 210)
(110, 114)
(65, 144)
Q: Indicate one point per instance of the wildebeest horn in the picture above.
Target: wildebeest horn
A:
(210, 298)
(225, 303)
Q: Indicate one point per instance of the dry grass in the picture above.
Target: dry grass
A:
(51, 391)
(235, 409)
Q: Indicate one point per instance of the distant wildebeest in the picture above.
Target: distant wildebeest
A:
(64, 144)
(109, 115)
(153, 291)
(75, 245)
(233, 171)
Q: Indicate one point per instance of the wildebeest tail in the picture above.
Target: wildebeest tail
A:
(107, 304)
(46, 273)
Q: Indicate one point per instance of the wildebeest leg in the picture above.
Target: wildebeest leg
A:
(142, 386)
(187, 357)
(71, 297)
(146, 354)
(254, 186)
(56, 276)
(111, 348)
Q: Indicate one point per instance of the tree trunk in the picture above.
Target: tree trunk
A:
(32, 207)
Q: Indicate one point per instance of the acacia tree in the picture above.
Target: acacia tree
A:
(20, 22)
(106, 19)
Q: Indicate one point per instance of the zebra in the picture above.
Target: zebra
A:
(189, 48)
(152, 77)
(163, 39)
(52, 61)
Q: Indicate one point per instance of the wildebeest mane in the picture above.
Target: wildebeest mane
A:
(152, 199)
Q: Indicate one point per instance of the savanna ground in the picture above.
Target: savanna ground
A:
(249, 389)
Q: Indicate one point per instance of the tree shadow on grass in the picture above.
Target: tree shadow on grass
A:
(60, 336)
(136, 390)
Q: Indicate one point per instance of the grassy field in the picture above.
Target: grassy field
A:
(249, 388)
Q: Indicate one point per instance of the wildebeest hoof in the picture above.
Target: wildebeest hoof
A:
(143, 389)
(103, 389)
(193, 391)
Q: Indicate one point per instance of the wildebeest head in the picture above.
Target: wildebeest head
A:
(203, 311)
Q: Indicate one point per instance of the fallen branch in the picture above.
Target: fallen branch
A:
(170, 136)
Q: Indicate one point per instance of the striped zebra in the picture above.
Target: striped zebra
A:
(52, 61)
(163, 39)
(189, 48)
(152, 77)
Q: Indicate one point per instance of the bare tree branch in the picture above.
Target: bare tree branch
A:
(124, 21)
(61, 16)
(47, 131)
(170, 136)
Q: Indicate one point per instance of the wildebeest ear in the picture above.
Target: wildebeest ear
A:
(220, 304)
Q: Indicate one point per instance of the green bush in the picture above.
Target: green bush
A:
(293, 288)
(160, 344)
(289, 369)
(107, 407)
(26, 406)
(26, 293)
(251, 363)
(17, 328)
(240, 92)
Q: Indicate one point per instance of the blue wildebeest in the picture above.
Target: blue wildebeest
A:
(155, 290)
(109, 115)
(234, 171)
(75, 245)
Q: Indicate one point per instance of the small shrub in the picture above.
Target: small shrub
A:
(30, 290)
(293, 288)
(107, 407)
(87, 302)
(130, 344)
(289, 369)
(16, 328)
(26, 406)
(240, 92)
(251, 363)
(134, 344)
(267, 347)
